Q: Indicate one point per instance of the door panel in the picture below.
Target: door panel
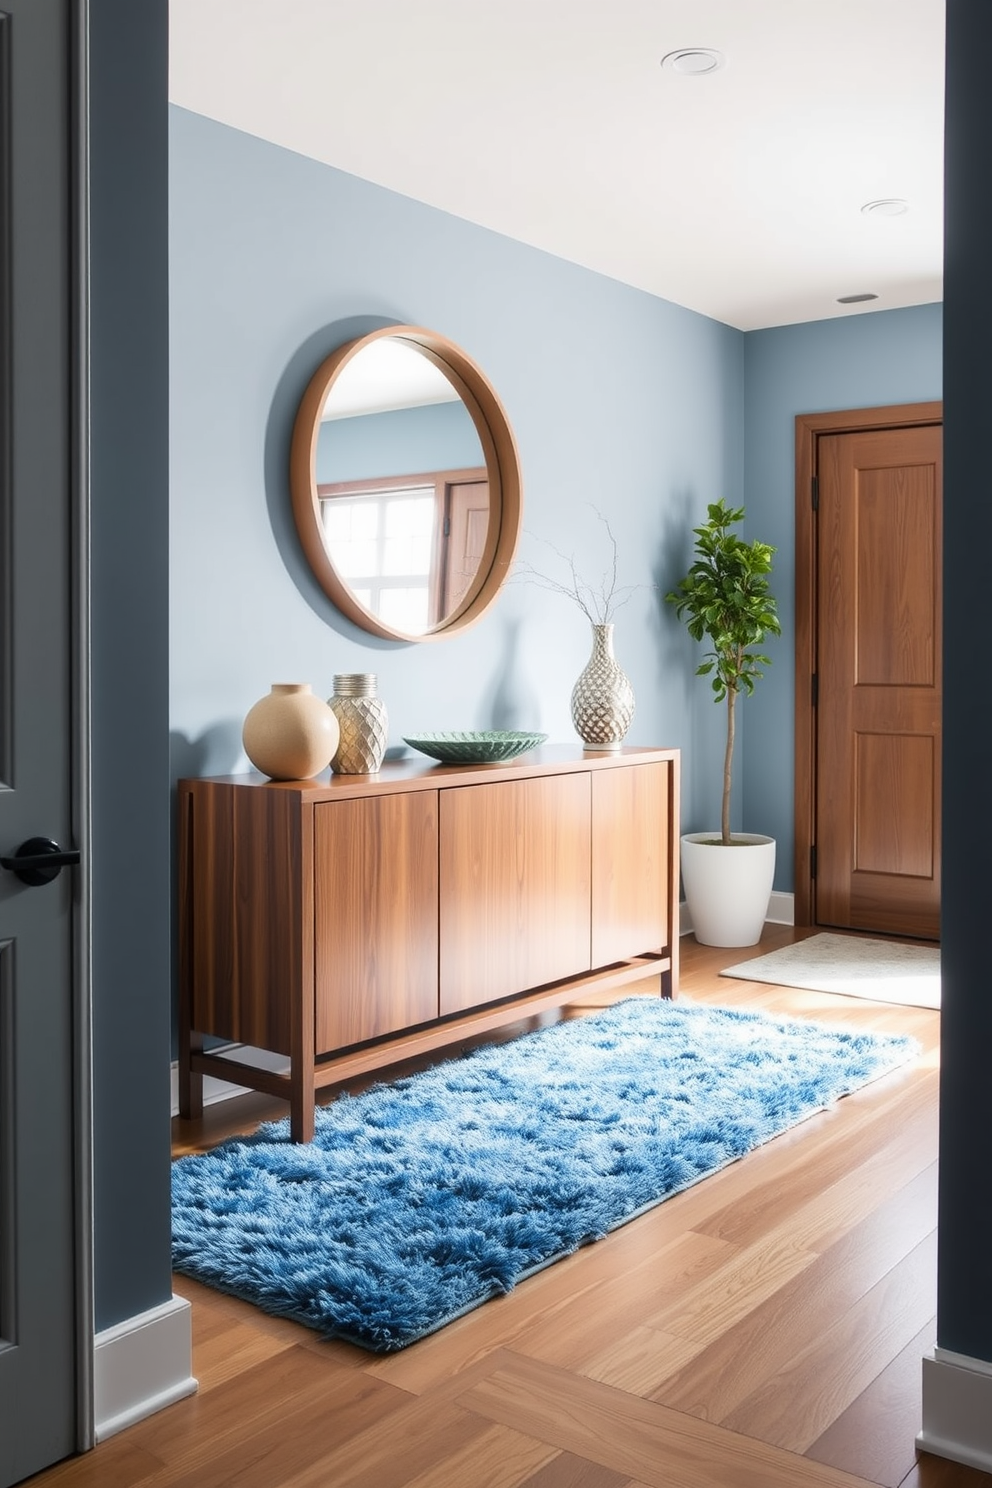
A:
(467, 519)
(889, 772)
(877, 823)
(38, 1303)
(896, 591)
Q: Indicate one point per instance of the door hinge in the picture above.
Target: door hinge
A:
(447, 527)
(814, 691)
(812, 861)
(815, 492)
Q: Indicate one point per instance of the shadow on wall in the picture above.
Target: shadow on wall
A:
(514, 702)
(675, 551)
(278, 438)
(694, 723)
(217, 751)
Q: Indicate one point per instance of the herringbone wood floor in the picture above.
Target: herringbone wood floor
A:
(762, 1330)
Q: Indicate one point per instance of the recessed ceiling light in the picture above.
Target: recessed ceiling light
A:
(693, 61)
(855, 299)
(886, 206)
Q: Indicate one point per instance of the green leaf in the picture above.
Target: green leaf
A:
(725, 598)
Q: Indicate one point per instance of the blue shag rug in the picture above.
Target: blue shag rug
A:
(418, 1200)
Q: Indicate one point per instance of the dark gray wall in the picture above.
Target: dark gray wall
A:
(964, 1304)
(132, 876)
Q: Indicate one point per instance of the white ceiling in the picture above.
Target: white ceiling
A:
(387, 375)
(737, 194)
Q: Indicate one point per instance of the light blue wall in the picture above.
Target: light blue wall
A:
(860, 361)
(618, 400)
(407, 441)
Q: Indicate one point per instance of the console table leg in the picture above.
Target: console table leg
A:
(190, 1081)
(301, 1105)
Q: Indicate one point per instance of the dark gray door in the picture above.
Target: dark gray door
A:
(40, 1210)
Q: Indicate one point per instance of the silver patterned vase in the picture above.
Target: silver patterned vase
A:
(362, 721)
(602, 698)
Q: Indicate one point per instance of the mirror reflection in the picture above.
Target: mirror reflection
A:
(402, 486)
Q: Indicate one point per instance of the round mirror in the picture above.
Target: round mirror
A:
(405, 483)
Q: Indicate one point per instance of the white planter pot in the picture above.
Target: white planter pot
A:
(727, 889)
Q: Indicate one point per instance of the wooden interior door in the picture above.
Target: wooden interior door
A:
(466, 527)
(878, 681)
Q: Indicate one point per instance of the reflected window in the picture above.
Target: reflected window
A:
(408, 547)
(382, 543)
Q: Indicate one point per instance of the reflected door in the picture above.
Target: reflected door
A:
(466, 527)
(37, 1223)
(878, 740)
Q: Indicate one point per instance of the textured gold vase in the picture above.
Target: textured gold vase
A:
(363, 724)
(602, 698)
(290, 734)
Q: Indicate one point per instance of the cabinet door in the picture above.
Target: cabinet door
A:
(630, 861)
(375, 909)
(243, 934)
(515, 887)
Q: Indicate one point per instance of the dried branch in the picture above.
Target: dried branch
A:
(599, 602)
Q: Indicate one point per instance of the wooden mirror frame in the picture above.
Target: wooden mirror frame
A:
(502, 467)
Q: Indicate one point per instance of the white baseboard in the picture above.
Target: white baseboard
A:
(142, 1365)
(219, 1090)
(781, 911)
(781, 908)
(957, 1409)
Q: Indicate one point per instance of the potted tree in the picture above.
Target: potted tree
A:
(725, 598)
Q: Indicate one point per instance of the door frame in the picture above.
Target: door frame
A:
(809, 428)
(79, 663)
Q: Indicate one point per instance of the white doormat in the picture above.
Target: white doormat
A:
(880, 970)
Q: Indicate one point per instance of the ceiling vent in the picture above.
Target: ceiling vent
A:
(886, 206)
(693, 61)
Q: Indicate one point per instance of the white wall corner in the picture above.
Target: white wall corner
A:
(781, 908)
(957, 1409)
(142, 1365)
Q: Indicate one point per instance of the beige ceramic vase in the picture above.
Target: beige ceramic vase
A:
(290, 734)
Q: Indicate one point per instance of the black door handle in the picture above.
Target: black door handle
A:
(39, 860)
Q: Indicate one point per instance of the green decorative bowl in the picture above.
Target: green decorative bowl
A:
(475, 748)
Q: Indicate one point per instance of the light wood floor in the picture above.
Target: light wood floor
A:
(762, 1330)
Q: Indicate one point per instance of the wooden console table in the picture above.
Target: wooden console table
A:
(353, 920)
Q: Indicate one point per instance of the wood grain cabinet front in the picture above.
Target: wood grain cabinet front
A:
(631, 862)
(350, 922)
(515, 887)
(375, 917)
